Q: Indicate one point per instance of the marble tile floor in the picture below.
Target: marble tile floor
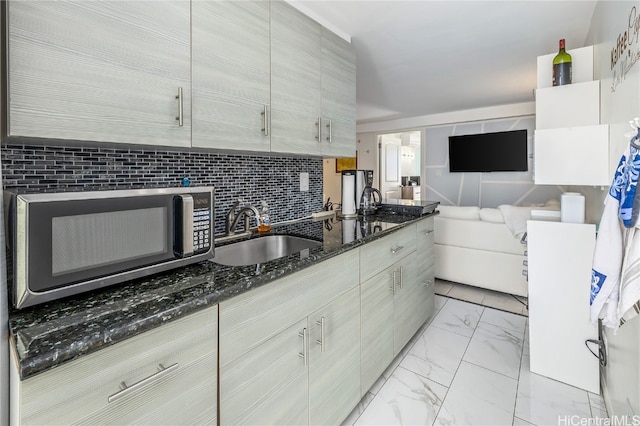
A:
(492, 299)
(469, 365)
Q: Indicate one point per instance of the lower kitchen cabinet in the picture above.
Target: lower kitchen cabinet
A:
(405, 301)
(376, 304)
(388, 307)
(278, 364)
(164, 376)
(425, 256)
(269, 384)
(308, 373)
(334, 359)
(396, 302)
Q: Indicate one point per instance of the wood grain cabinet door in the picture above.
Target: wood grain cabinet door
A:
(425, 258)
(406, 302)
(109, 71)
(376, 327)
(338, 127)
(334, 360)
(296, 83)
(268, 385)
(231, 74)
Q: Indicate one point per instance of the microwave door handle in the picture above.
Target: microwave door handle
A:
(186, 202)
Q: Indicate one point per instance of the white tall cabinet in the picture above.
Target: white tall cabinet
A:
(559, 274)
(571, 148)
(110, 71)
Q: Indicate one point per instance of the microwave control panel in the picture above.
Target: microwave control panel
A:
(202, 217)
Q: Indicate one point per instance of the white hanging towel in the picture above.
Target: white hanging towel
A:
(607, 265)
(629, 299)
(610, 244)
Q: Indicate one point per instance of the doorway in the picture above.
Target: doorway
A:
(400, 165)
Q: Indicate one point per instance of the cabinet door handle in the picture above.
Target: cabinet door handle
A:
(321, 341)
(428, 283)
(126, 390)
(396, 249)
(179, 98)
(428, 232)
(329, 138)
(401, 269)
(265, 121)
(319, 125)
(393, 282)
(303, 355)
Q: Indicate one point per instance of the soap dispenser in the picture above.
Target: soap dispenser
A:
(264, 224)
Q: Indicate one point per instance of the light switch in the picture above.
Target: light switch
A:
(304, 181)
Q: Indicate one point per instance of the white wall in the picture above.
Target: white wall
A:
(485, 189)
(480, 189)
(620, 102)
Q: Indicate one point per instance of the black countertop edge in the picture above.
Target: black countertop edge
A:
(49, 335)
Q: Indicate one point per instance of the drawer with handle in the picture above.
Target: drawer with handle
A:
(148, 379)
(378, 255)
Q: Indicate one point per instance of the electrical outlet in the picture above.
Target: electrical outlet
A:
(304, 181)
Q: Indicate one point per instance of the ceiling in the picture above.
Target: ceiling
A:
(426, 57)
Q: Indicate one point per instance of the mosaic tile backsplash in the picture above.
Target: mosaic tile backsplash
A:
(275, 180)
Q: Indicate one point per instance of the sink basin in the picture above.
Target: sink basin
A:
(260, 250)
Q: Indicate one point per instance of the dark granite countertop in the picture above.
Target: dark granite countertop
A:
(51, 334)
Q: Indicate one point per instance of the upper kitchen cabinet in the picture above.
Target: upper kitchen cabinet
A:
(109, 71)
(231, 74)
(338, 96)
(296, 81)
(312, 86)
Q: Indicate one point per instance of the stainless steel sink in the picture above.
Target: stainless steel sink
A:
(260, 250)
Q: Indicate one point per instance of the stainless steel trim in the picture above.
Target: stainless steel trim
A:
(126, 390)
(179, 98)
(21, 248)
(24, 297)
(265, 121)
(330, 137)
(303, 355)
(187, 224)
(107, 194)
(396, 249)
(321, 341)
(319, 125)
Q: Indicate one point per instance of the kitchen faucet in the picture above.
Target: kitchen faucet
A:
(232, 217)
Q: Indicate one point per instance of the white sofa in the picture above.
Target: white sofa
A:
(475, 246)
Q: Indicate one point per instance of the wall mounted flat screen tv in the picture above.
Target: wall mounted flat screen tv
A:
(489, 152)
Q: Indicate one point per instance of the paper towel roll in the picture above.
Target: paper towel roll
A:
(348, 230)
(348, 198)
(572, 207)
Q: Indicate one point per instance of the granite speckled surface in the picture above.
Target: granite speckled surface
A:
(51, 334)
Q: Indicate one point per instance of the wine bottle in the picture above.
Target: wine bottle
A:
(562, 67)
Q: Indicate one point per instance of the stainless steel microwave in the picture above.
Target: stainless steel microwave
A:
(61, 244)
